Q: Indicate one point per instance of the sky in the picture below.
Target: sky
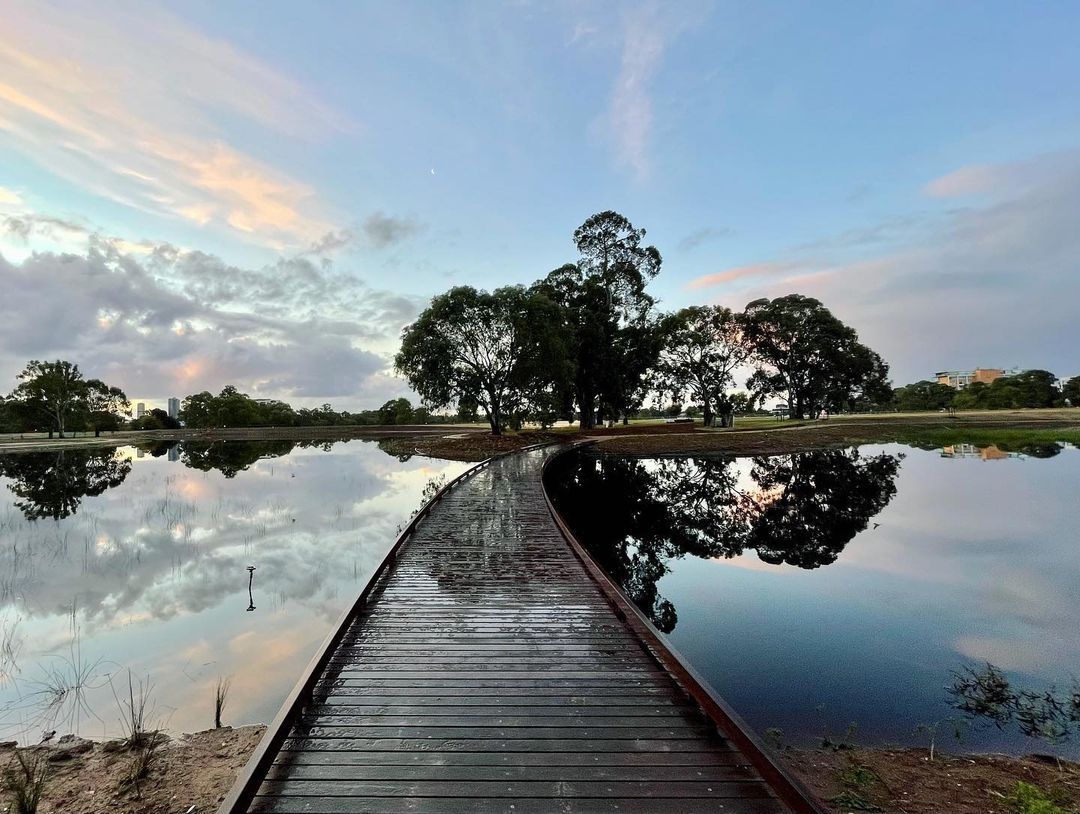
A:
(196, 194)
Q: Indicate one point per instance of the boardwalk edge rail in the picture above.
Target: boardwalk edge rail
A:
(254, 772)
(787, 787)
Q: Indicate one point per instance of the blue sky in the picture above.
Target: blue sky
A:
(264, 193)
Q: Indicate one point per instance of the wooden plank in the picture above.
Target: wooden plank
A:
(575, 774)
(494, 789)
(518, 744)
(480, 805)
(643, 760)
(473, 711)
(486, 672)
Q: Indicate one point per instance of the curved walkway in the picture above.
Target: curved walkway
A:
(489, 672)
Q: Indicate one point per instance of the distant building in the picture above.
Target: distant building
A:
(960, 379)
(140, 410)
(174, 407)
(990, 453)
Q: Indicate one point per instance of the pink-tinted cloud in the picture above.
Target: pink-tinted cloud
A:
(770, 269)
(976, 179)
(992, 284)
(132, 117)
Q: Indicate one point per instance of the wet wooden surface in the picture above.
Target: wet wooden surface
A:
(489, 674)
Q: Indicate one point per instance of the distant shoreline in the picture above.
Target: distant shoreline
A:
(40, 442)
(752, 435)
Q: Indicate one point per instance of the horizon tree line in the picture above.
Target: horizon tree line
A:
(587, 343)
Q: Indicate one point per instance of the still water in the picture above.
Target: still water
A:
(138, 560)
(825, 588)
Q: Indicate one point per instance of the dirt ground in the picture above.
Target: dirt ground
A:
(189, 774)
(905, 781)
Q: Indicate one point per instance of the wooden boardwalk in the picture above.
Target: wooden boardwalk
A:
(488, 669)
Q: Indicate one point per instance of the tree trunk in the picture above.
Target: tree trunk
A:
(707, 414)
(587, 403)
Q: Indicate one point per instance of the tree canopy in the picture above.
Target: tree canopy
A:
(500, 351)
(924, 395)
(702, 346)
(810, 357)
(56, 395)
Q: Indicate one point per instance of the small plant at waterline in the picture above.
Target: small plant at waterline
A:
(135, 710)
(1027, 798)
(958, 726)
(25, 779)
(774, 738)
(221, 695)
(857, 781)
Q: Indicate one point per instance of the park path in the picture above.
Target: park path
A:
(490, 670)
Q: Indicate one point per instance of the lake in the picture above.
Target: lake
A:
(137, 560)
(827, 588)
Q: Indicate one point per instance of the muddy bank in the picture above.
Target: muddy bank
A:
(906, 781)
(191, 773)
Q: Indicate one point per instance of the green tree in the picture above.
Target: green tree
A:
(810, 357)
(498, 350)
(1071, 391)
(607, 318)
(54, 391)
(971, 397)
(104, 406)
(702, 348)
(396, 411)
(1034, 388)
(924, 395)
(196, 411)
(467, 411)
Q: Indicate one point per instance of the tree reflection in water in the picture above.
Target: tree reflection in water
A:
(53, 484)
(635, 515)
(231, 457)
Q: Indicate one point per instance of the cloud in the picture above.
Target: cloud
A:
(739, 273)
(383, 231)
(8, 196)
(629, 117)
(695, 239)
(994, 284)
(973, 180)
(28, 225)
(166, 321)
(1003, 179)
(132, 118)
